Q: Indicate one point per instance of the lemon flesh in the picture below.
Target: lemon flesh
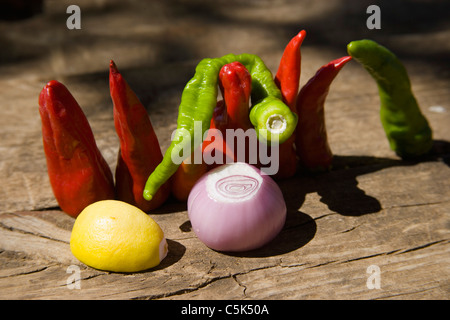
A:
(115, 236)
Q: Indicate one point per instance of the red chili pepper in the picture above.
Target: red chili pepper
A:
(287, 79)
(235, 83)
(232, 112)
(140, 151)
(311, 137)
(288, 161)
(215, 144)
(79, 175)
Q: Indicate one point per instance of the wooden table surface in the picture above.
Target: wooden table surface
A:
(373, 217)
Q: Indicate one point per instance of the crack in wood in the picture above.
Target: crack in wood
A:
(49, 208)
(426, 245)
(405, 293)
(409, 205)
(240, 284)
(364, 257)
(397, 251)
(14, 229)
(207, 283)
(22, 273)
(321, 264)
(350, 229)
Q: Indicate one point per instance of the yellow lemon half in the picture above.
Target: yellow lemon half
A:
(115, 236)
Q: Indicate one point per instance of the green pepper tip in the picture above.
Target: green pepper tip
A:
(147, 195)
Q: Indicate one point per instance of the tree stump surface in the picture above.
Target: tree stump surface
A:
(372, 211)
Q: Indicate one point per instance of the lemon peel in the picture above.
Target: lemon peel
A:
(112, 235)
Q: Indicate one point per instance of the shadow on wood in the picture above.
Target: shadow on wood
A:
(299, 229)
(339, 188)
(176, 251)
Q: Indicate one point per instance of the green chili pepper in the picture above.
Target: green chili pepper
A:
(406, 128)
(199, 99)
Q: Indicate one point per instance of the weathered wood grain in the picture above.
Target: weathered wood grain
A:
(320, 254)
(372, 209)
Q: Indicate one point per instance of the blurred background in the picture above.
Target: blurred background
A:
(157, 44)
(158, 31)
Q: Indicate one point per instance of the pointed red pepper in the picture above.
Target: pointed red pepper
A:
(311, 137)
(215, 144)
(78, 173)
(235, 84)
(287, 79)
(232, 112)
(140, 151)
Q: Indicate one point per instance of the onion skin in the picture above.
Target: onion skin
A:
(236, 224)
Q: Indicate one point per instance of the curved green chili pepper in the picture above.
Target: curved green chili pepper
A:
(198, 101)
(406, 128)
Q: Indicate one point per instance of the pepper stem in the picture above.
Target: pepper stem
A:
(273, 120)
(276, 123)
